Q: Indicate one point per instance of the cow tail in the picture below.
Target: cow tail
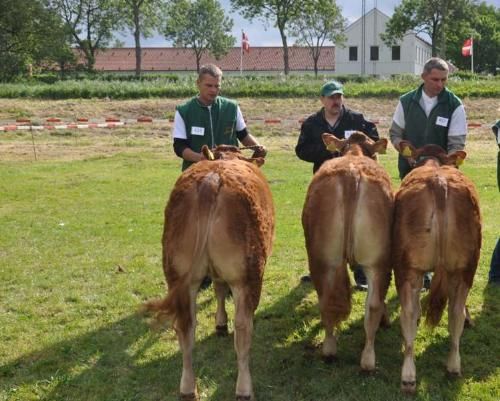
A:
(174, 307)
(340, 301)
(438, 294)
(438, 297)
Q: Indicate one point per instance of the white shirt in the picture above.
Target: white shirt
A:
(457, 124)
(179, 130)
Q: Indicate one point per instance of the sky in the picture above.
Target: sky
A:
(261, 35)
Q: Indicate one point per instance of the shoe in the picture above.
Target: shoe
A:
(305, 279)
(205, 283)
(427, 282)
(360, 279)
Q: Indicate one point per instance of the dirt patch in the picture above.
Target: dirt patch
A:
(70, 144)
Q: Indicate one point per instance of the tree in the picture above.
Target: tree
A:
(433, 17)
(483, 24)
(201, 25)
(142, 17)
(90, 23)
(318, 21)
(281, 11)
(30, 34)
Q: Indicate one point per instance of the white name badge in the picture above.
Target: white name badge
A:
(200, 131)
(347, 134)
(443, 122)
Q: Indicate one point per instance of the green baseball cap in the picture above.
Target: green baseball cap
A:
(332, 88)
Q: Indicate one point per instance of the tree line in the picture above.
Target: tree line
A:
(43, 33)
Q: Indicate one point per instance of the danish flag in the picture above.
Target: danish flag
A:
(467, 48)
(245, 44)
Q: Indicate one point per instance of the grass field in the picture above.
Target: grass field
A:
(80, 231)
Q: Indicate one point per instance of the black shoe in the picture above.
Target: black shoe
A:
(360, 279)
(305, 279)
(427, 281)
(205, 283)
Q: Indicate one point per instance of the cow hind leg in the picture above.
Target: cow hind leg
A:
(221, 292)
(243, 328)
(186, 339)
(458, 291)
(374, 310)
(409, 296)
(334, 299)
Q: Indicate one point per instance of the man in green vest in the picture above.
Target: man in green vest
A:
(209, 119)
(430, 114)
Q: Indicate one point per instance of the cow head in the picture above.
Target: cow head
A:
(430, 154)
(229, 152)
(357, 144)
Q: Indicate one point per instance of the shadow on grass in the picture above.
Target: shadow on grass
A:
(115, 362)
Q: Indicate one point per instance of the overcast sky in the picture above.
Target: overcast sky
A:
(260, 35)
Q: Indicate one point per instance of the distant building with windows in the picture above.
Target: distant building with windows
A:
(407, 57)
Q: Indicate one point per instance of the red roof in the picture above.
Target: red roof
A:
(182, 59)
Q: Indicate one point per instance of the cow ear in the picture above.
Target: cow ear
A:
(332, 143)
(406, 149)
(457, 158)
(380, 146)
(207, 153)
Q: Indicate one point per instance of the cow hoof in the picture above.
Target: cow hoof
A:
(367, 372)
(243, 398)
(453, 375)
(188, 397)
(329, 359)
(221, 330)
(408, 387)
(468, 323)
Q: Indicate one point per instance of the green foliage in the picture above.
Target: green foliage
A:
(201, 25)
(318, 21)
(172, 86)
(30, 35)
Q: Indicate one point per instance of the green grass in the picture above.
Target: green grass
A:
(68, 323)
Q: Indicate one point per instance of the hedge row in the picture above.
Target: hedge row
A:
(277, 86)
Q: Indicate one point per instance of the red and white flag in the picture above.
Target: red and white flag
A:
(245, 44)
(467, 48)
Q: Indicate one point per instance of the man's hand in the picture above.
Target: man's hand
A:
(260, 151)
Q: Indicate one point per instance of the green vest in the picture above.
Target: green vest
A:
(421, 130)
(209, 126)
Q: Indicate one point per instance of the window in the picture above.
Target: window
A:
(396, 52)
(353, 53)
(373, 53)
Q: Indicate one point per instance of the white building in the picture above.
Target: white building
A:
(407, 57)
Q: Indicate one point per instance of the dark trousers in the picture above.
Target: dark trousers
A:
(494, 273)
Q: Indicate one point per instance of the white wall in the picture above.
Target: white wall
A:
(413, 51)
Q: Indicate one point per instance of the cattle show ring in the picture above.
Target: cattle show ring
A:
(86, 186)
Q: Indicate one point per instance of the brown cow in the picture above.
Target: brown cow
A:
(437, 227)
(219, 221)
(347, 218)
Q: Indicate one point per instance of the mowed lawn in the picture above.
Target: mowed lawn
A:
(80, 251)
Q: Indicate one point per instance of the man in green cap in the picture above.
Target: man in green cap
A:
(494, 273)
(333, 118)
(336, 119)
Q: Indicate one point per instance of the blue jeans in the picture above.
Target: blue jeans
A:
(494, 273)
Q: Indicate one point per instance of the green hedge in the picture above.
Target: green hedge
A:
(173, 86)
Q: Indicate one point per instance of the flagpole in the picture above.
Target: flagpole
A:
(472, 54)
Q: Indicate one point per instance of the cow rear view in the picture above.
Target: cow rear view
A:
(347, 219)
(219, 221)
(437, 228)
